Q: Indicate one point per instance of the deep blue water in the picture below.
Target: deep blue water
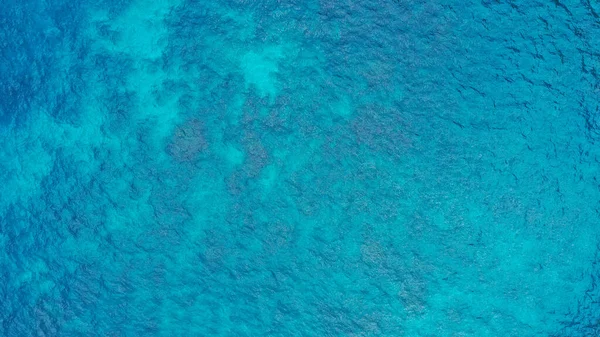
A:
(300, 168)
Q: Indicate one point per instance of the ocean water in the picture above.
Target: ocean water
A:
(300, 168)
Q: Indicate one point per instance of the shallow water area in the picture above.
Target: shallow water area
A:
(303, 168)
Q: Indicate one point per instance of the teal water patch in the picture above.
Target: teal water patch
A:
(260, 69)
(316, 168)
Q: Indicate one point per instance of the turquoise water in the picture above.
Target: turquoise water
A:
(299, 168)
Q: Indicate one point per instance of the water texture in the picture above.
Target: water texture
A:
(299, 168)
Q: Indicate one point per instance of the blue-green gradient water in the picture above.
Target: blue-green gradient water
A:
(300, 168)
